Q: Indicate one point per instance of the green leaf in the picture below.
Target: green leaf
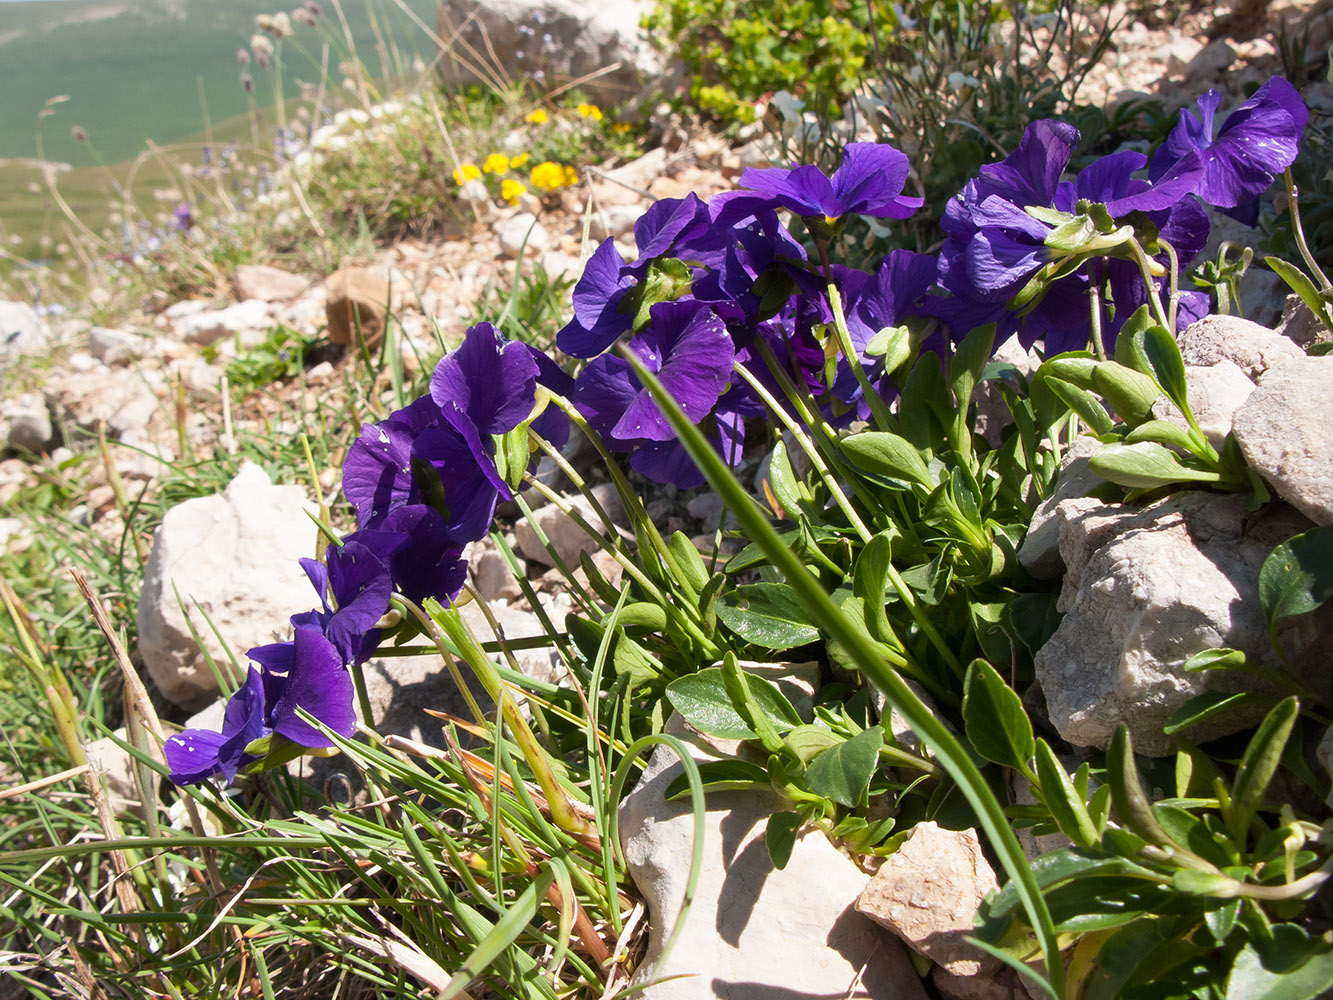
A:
(666, 280)
(728, 775)
(1067, 807)
(702, 699)
(1088, 407)
(1076, 368)
(1215, 659)
(1297, 576)
(870, 577)
(885, 454)
(968, 361)
(893, 344)
(926, 406)
(1168, 367)
(780, 837)
(1252, 979)
(1145, 465)
(1131, 804)
(842, 773)
(1126, 351)
(693, 571)
(808, 742)
(768, 615)
(1205, 706)
(1163, 432)
(1130, 393)
(790, 493)
(1258, 765)
(994, 718)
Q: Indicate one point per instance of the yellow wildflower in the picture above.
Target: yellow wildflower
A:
(571, 176)
(538, 117)
(496, 163)
(467, 172)
(590, 111)
(519, 161)
(548, 176)
(511, 190)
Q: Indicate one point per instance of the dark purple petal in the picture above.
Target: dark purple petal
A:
(597, 320)
(275, 657)
(603, 392)
(318, 576)
(198, 754)
(803, 190)
(870, 181)
(689, 349)
(431, 564)
(667, 220)
(999, 265)
(319, 683)
(487, 380)
(192, 755)
(360, 585)
(377, 473)
(467, 476)
(1029, 175)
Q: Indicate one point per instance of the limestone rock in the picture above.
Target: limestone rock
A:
(616, 221)
(1284, 432)
(234, 557)
(358, 300)
(490, 573)
(752, 932)
(992, 414)
(1300, 325)
(267, 284)
(1253, 348)
(567, 538)
(21, 329)
(928, 891)
(549, 43)
(540, 663)
(114, 347)
(1214, 393)
(521, 234)
(117, 399)
(1145, 590)
(1040, 551)
(212, 325)
(29, 423)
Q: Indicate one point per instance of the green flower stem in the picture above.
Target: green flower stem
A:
(900, 696)
(1173, 268)
(562, 811)
(807, 446)
(576, 589)
(883, 418)
(1298, 230)
(656, 551)
(563, 465)
(1095, 304)
(682, 616)
(441, 641)
(362, 695)
(1145, 268)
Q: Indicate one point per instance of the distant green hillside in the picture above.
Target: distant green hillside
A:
(134, 70)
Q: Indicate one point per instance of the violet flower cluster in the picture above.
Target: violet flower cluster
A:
(724, 285)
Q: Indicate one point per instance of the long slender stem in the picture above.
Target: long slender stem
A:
(883, 419)
(1145, 268)
(1298, 230)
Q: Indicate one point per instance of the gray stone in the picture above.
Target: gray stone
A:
(540, 663)
(356, 305)
(267, 284)
(521, 234)
(752, 932)
(928, 891)
(566, 536)
(29, 423)
(548, 43)
(118, 400)
(1300, 325)
(1040, 551)
(1145, 590)
(232, 556)
(992, 413)
(490, 573)
(1284, 432)
(114, 347)
(1251, 347)
(1214, 394)
(21, 329)
(210, 326)
(615, 221)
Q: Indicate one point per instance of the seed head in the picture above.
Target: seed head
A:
(78, 133)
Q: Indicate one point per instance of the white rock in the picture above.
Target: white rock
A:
(521, 234)
(567, 538)
(1300, 325)
(267, 284)
(1040, 551)
(1251, 347)
(117, 399)
(549, 43)
(928, 892)
(186, 307)
(1284, 432)
(21, 329)
(29, 423)
(614, 221)
(112, 346)
(1214, 393)
(490, 573)
(1145, 590)
(232, 556)
(213, 325)
(540, 663)
(752, 932)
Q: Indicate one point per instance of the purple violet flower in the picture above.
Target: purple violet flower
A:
(355, 582)
(306, 673)
(1257, 142)
(869, 181)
